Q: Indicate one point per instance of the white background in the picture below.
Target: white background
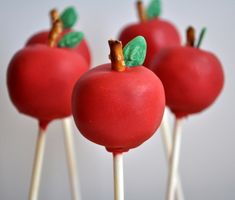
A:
(207, 159)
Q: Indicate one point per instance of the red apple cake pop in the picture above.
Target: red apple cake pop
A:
(193, 79)
(158, 32)
(68, 18)
(120, 104)
(40, 80)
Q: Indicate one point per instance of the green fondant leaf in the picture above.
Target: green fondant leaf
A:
(71, 39)
(135, 52)
(154, 9)
(201, 36)
(69, 17)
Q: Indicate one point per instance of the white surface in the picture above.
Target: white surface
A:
(174, 160)
(207, 159)
(71, 159)
(167, 140)
(118, 176)
(37, 166)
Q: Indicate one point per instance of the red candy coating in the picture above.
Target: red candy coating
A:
(42, 38)
(192, 78)
(40, 80)
(158, 34)
(119, 110)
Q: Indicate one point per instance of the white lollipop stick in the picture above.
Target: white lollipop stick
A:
(167, 143)
(174, 160)
(118, 176)
(37, 166)
(71, 159)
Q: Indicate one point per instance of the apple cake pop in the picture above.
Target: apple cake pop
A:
(193, 79)
(40, 80)
(68, 18)
(120, 104)
(158, 32)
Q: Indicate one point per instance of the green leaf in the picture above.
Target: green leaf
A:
(69, 17)
(154, 9)
(201, 36)
(135, 51)
(71, 40)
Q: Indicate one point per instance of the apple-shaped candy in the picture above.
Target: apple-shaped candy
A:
(40, 78)
(192, 78)
(158, 33)
(120, 104)
(68, 18)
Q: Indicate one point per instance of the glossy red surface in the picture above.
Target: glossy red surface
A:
(42, 38)
(119, 110)
(40, 80)
(158, 34)
(192, 78)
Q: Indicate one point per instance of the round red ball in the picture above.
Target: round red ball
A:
(42, 38)
(40, 81)
(158, 33)
(119, 110)
(192, 78)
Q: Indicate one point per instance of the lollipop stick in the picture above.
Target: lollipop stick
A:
(118, 176)
(71, 159)
(167, 143)
(37, 166)
(174, 160)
